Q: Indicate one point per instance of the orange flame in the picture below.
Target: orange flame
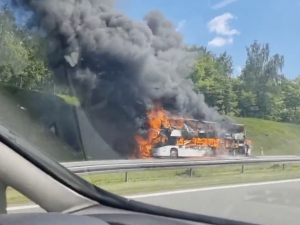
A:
(158, 119)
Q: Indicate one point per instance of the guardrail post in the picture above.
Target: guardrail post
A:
(283, 166)
(191, 172)
(243, 168)
(126, 176)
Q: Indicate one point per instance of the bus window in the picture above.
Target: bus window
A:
(202, 134)
(171, 141)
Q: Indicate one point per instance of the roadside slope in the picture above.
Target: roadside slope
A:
(56, 113)
(18, 118)
(274, 138)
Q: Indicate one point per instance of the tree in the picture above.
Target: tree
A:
(13, 54)
(291, 99)
(212, 77)
(22, 55)
(224, 65)
(262, 78)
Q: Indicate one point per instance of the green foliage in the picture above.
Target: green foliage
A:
(212, 77)
(22, 60)
(260, 91)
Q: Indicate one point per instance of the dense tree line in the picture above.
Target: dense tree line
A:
(23, 56)
(260, 91)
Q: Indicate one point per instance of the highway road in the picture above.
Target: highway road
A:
(270, 203)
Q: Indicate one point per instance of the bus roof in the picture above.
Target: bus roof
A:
(181, 118)
(204, 121)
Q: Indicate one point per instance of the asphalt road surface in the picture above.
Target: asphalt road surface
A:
(270, 203)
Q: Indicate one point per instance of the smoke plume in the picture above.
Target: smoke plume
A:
(123, 64)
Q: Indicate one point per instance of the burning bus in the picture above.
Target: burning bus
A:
(194, 139)
(206, 140)
(174, 136)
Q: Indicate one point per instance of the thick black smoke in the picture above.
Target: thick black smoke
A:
(123, 64)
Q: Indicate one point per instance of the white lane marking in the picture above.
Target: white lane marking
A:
(23, 207)
(211, 188)
(15, 208)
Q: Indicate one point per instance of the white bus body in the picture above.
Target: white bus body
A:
(182, 151)
(179, 151)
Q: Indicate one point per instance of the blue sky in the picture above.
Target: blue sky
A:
(231, 25)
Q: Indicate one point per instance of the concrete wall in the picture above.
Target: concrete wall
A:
(94, 145)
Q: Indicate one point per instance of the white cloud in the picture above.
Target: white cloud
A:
(223, 4)
(180, 25)
(238, 69)
(220, 25)
(219, 42)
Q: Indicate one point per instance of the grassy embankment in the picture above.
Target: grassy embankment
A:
(272, 137)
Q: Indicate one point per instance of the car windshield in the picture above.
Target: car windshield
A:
(158, 100)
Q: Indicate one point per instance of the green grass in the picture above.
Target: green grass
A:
(273, 138)
(165, 180)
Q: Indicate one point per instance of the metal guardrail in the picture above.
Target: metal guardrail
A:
(89, 167)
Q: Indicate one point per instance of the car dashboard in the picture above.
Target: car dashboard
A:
(91, 216)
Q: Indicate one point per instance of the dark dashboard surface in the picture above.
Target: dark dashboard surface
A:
(95, 219)
(48, 219)
(104, 215)
(123, 217)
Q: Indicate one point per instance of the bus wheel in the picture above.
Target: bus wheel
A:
(174, 153)
(214, 151)
(234, 152)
